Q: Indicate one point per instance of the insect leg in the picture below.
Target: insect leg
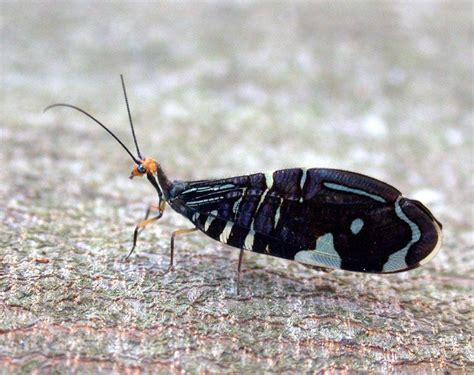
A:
(173, 235)
(145, 222)
(241, 256)
(150, 207)
(148, 211)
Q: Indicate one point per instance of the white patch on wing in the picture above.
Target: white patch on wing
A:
(269, 180)
(262, 198)
(204, 201)
(215, 188)
(303, 178)
(302, 182)
(209, 220)
(235, 207)
(397, 261)
(224, 237)
(277, 214)
(339, 187)
(249, 240)
(323, 255)
(356, 226)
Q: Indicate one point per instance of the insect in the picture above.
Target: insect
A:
(325, 218)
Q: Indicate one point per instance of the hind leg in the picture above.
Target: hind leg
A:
(241, 256)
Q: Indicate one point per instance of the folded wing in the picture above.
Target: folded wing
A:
(322, 217)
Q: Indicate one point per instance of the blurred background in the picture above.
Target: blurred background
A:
(217, 90)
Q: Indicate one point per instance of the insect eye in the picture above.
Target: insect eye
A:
(141, 168)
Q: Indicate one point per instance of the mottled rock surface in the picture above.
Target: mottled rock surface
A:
(220, 90)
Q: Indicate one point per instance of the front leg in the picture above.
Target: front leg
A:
(145, 222)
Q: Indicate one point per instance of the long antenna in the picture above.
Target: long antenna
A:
(130, 117)
(97, 121)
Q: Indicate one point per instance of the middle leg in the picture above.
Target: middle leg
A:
(177, 232)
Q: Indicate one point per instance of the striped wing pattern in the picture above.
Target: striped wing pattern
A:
(321, 217)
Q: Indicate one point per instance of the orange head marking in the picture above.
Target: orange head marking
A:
(146, 166)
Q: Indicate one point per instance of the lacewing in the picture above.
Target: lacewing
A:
(325, 218)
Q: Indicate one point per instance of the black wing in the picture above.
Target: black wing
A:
(321, 217)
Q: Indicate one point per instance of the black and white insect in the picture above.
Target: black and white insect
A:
(325, 218)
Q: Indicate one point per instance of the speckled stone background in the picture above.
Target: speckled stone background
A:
(221, 89)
